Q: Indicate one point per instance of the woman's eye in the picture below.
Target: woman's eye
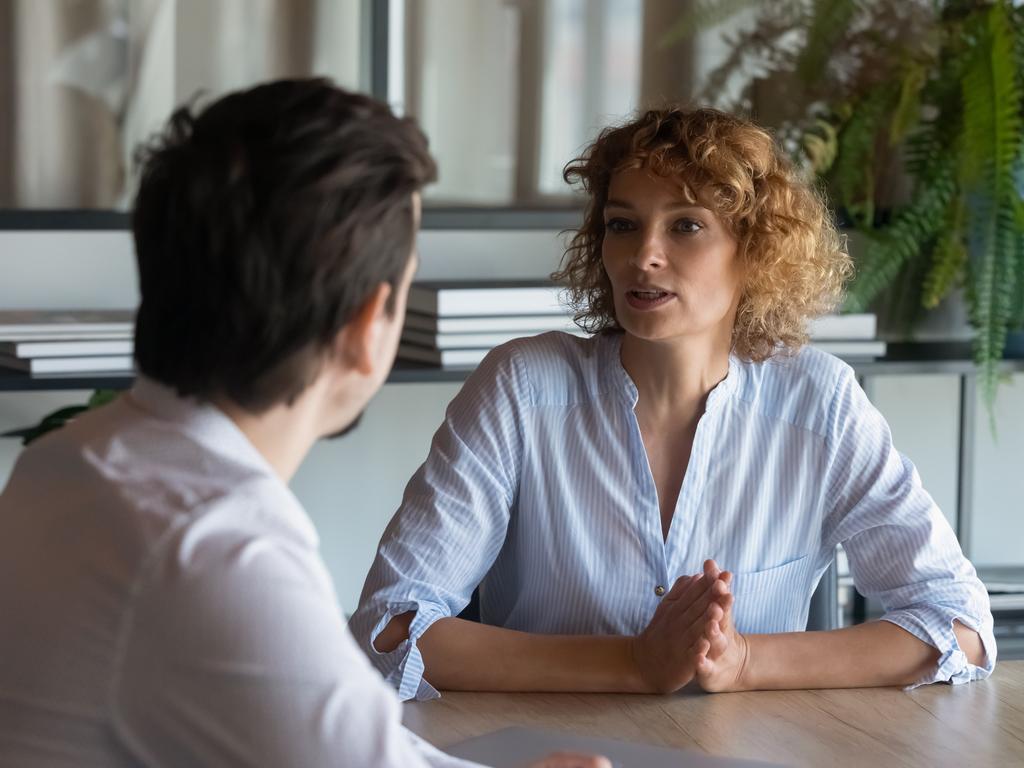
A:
(689, 225)
(618, 225)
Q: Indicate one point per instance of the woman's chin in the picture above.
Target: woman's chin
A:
(665, 333)
(652, 332)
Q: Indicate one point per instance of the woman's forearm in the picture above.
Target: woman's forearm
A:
(464, 655)
(877, 653)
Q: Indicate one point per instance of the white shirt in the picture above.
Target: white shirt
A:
(538, 489)
(163, 603)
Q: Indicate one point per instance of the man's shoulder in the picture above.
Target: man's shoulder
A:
(148, 475)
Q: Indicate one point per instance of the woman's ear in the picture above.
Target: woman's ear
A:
(357, 344)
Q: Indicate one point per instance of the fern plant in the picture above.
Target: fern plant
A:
(935, 87)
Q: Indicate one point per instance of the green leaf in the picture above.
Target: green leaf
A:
(62, 416)
(820, 145)
(904, 239)
(947, 259)
(1017, 314)
(102, 397)
(50, 422)
(991, 140)
(853, 174)
(703, 15)
(829, 22)
(908, 107)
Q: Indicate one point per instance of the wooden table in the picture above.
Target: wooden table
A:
(980, 724)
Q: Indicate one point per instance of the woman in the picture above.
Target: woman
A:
(593, 488)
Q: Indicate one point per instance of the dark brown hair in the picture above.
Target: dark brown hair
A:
(794, 261)
(261, 225)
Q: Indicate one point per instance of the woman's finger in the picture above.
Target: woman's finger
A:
(711, 570)
(678, 588)
(726, 603)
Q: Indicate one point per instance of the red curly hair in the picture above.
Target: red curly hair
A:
(794, 260)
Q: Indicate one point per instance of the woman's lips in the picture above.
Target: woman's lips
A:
(648, 299)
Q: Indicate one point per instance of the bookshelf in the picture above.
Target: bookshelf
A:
(902, 358)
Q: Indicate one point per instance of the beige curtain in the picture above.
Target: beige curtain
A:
(83, 81)
(57, 141)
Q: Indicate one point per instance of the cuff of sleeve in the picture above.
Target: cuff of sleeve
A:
(933, 624)
(405, 663)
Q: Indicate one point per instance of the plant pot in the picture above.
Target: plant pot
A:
(947, 322)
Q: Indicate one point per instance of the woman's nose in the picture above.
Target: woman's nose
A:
(649, 253)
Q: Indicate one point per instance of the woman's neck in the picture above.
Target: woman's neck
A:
(674, 377)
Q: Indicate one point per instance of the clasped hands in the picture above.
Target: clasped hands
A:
(692, 637)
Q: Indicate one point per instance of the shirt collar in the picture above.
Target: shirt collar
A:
(619, 380)
(203, 421)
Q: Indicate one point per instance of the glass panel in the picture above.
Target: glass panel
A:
(460, 78)
(81, 83)
(510, 90)
(592, 77)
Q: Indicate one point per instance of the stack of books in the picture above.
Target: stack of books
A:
(66, 341)
(851, 337)
(455, 324)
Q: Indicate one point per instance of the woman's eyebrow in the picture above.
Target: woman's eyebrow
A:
(615, 203)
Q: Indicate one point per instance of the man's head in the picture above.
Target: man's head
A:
(267, 227)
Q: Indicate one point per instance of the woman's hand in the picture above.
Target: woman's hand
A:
(721, 654)
(571, 760)
(664, 653)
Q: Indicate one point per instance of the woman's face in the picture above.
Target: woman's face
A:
(672, 265)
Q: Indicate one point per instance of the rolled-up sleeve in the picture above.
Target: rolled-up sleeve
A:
(452, 522)
(901, 549)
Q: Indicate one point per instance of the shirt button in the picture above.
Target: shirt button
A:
(659, 590)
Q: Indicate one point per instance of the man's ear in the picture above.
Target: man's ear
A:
(356, 343)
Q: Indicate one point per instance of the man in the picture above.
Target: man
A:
(162, 599)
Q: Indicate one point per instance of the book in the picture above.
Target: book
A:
(94, 364)
(446, 358)
(66, 336)
(475, 324)
(18, 321)
(858, 326)
(461, 298)
(466, 340)
(66, 348)
(851, 349)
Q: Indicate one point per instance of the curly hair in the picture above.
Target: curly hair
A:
(794, 259)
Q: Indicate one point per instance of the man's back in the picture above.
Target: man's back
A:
(163, 602)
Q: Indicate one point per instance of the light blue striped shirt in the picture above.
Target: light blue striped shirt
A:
(538, 489)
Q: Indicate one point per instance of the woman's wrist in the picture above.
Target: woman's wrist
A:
(747, 676)
(636, 679)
